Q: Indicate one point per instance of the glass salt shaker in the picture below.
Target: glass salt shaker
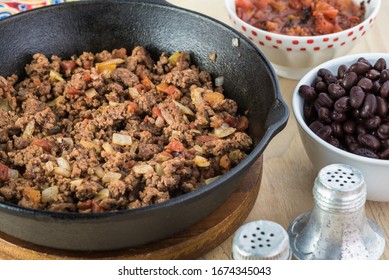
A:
(261, 240)
(337, 226)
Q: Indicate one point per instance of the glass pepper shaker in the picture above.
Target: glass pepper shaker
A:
(337, 226)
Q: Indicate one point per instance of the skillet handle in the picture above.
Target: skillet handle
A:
(278, 116)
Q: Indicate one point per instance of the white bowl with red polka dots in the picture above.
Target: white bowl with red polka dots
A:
(293, 56)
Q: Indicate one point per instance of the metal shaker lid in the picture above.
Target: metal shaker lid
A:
(340, 188)
(261, 240)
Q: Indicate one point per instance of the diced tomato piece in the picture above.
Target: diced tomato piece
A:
(156, 112)
(45, 144)
(32, 195)
(244, 4)
(145, 80)
(243, 124)
(86, 77)
(231, 121)
(68, 65)
(96, 207)
(132, 107)
(225, 162)
(4, 169)
(173, 91)
(175, 146)
(140, 88)
(36, 81)
(74, 91)
(206, 138)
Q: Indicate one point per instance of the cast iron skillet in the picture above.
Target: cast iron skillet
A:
(72, 28)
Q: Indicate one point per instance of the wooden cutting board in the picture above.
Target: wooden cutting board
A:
(189, 244)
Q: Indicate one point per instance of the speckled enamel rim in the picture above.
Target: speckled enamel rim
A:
(304, 43)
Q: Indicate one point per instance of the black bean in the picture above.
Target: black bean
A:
(322, 72)
(324, 132)
(360, 68)
(342, 104)
(341, 71)
(365, 153)
(336, 91)
(369, 106)
(333, 141)
(351, 142)
(364, 60)
(383, 131)
(324, 115)
(384, 91)
(369, 141)
(337, 130)
(349, 126)
(307, 92)
(380, 64)
(384, 154)
(321, 86)
(382, 107)
(384, 76)
(316, 126)
(350, 79)
(376, 87)
(366, 84)
(361, 129)
(357, 96)
(329, 78)
(373, 123)
(309, 111)
(324, 100)
(338, 116)
(316, 80)
(373, 74)
(356, 113)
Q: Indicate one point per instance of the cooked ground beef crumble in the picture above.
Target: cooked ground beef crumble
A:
(113, 131)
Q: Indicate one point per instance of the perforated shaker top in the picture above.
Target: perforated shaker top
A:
(340, 187)
(261, 240)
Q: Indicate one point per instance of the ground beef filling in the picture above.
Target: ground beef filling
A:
(113, 131)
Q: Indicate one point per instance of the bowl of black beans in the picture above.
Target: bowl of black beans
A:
(341, 108)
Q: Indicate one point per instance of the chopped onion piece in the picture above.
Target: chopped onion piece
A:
(49, 194)
(100, 171)
(183, 108)
(224, 130)
(108, 148)
(133, 92)
(56, 76)
(113, 104)
(195, 94)
(111, 176)
(121, 139)
(104, 193)
(219, 81)
(159, 122)
(63, 163)
(112, 61)
(77, 182)
(49, 166)
(30, 128)
(210, 180)
(91, 145)
(199, 149)
(13, 174)
(143, 169)
(168, 118)
(159, 169)
(201, 161)
(195, 131)
(62, 171)
(90, 93)
(4, 105)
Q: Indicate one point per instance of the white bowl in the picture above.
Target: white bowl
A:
(321, 153)
(294, 56)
